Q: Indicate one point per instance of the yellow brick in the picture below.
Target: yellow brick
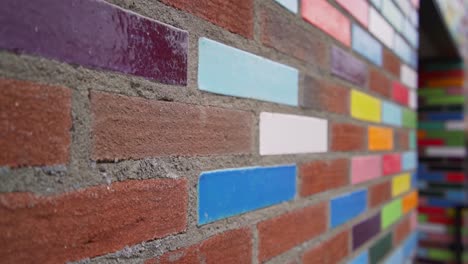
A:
(401, 184)
(365, 107)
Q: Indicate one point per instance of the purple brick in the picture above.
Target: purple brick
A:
(346, 66)
(96, 34)
(365, 230)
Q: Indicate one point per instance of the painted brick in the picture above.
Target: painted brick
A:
(380, 28)
(412, 139)
(402, 49)
(348, 67)
(402, 137)
(408, 76)
(383, 246)
(287, 134)
(36, 123)
(404, 5)
(291, 5)
(380, 138)
(333, 250)
(365, 230)
(237, 16)
(362, 258)
(401, 184)
(365, 107)
(281, 233)
(325, 96)
(391, 212)
(409, 118)
(278, 32)
(225, 193)
(358, 8)
(399, 93)
(127, 128)
(347, 137)
(411, 34)
(379, 194)
(409, 160)
(365, 168)
(413, 100)
(229, 71)
(391, 63)
(396, 257)
(324, 16)
(391, 163)
(98, 40)
(415, 3)
(320, 176)
(393, 14)
(346, 207)
(414, 17)
(410, 202)
(379, 83)
(391, 114)
(366, 45)
(70, 225)
(402, 230)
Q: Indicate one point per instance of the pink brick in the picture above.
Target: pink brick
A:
(365, 168)
(391, 164)
(324, 16)
(358, 8)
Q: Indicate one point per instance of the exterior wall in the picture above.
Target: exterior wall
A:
(214, 131)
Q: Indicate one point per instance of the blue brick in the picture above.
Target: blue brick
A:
(409, 160)
(291, 5)
(443, 116)
(410, 244)
(414, 180)
(366, 45)
(411, 34)
(363, 258)
(229, 71)
(225, 193)
(441, 202)
(396, 257)
(402, 49)
(346, 207)
(457, 196)
(391, 113)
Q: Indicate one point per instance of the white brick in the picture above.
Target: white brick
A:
(381, 28)
(408, 76)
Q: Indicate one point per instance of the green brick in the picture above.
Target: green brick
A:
(422, 218)
(451, 138)
(431, 125)
(391, 212)
(431, 91)
(440, 254)
(380, 248)
(409, 118)
(446, 100)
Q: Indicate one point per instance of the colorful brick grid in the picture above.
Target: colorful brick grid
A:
(214, 136)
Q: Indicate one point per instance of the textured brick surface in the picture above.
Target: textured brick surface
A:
(325, 96)
(89, 222)
(319, 176)
(128, 127)
(402, 230)
(235, 16)
(379, 83)
(391, 63)
(347, 137)
(280, 32)
(286, 231)
(35, 123)
(402, 139)
(379, 194)
(331, 251)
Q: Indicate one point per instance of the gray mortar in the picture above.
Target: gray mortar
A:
(82, 172)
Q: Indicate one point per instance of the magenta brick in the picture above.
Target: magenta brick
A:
(95, 34)
(391, 164)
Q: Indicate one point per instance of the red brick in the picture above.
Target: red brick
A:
(324, 96)
(379, 194)
(391, 63)
(379, 83)
(89, 222)
(284, 34)
(132, 128)
(233, 15)
(402, 139)
(286, 231)
(35, 123)
(319, 176)
(401, 231)
(329, 252)
(230, 248)
(348, 137)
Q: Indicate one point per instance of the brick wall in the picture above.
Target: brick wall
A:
(216, 131)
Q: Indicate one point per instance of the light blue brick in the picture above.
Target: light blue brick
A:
(393, 14)
(346, 207)
(396, 257)
(362, 258)
(410, 245)
(409, 160)
(412, 139)
(366, 45)
(377, 3)
(229, 71)
(391, 114)
(291, 5)
(225, 193)
(411, 34)
(402, 49)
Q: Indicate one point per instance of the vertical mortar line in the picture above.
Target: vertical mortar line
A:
(256, 21)
(255, 243)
